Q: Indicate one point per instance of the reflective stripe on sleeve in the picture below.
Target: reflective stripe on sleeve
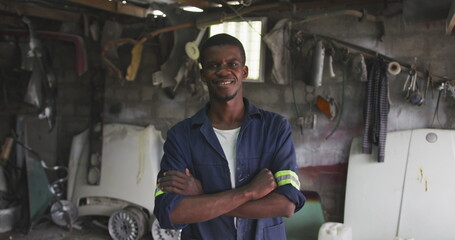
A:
(287, 177)
(158, 192)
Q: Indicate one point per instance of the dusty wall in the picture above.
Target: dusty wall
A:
(141, 102)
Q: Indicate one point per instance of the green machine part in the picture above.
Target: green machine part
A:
(38, 189)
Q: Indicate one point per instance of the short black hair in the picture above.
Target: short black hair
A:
(220, 40)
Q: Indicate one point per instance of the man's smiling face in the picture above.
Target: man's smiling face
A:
(223, 70)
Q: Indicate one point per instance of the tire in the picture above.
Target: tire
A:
(127, 224)
(159, 233)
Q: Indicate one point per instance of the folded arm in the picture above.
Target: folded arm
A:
(272, 205)
(199, 207)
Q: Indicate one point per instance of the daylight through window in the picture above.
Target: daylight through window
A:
(249, 33)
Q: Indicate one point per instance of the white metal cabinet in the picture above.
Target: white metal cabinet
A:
(410, 194)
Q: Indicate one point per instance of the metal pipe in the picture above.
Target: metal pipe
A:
(317, 65)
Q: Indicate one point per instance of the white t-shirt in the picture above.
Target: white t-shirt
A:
(228, 141)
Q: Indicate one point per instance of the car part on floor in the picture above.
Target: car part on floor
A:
(64, 213)
(38, 187)
(164, 234)
(130, 156)
(127, 224)
(132, 152)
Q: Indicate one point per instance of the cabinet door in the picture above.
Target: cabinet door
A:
(374, 189)
(428, 208)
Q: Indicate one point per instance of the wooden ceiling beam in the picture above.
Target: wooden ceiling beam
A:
(114, 7)
(11, 21)
(215, 18)
(41, 12)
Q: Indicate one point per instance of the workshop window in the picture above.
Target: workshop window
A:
(249, 32)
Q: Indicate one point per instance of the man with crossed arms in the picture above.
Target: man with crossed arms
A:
(228, 172)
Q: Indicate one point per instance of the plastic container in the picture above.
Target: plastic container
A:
(8, 218)
(335, 231)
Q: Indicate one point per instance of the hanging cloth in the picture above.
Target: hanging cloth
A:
(377, 109)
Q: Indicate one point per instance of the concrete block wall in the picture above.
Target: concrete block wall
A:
(72, 99)
(322, 161)
(73, 96)
(142, 103)
(405, 42)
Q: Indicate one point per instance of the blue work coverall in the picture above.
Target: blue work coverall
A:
(264, 141)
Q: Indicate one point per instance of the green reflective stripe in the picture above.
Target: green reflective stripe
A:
(283, 172)
(286, 172)
(158, 192)
(289, 181)
(287, 177)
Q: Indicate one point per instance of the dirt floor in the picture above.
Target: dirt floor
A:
(47, 230)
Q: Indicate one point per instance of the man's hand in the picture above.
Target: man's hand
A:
(262, 184)
(197, 207)
(180, 183)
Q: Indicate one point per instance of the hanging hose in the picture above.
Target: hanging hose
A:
(293, 96)
(341, 105)
(293, 90)
(116, 43)
(292, 76)
(343, 83)
(436, 110)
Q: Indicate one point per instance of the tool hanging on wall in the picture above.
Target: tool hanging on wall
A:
(358, 69)
(342, 57)
(412, 90)
(192, 55)
(136, 60)
(429, 82)
(331, 53)
(450, 88)
(442, 91)
(445, 89)
(41, 90)
(327, 106)
(317, 64)
(136, 56)
(394, 68)
(368, 53)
